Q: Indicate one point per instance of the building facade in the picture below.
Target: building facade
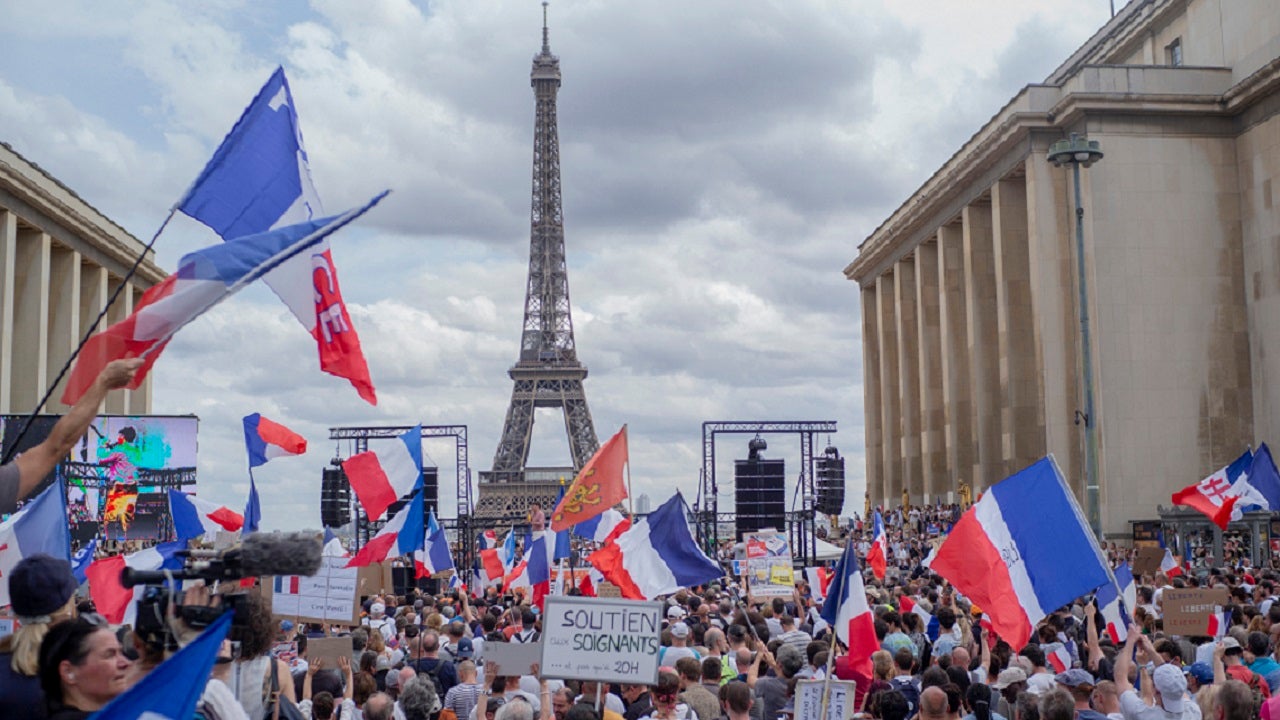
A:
(60, 260)
(971, 322)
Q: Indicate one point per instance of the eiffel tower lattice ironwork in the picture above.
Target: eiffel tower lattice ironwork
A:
(548, 373)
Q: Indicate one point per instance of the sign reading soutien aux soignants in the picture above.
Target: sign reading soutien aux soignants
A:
(601, 639)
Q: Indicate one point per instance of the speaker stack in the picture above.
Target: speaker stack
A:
(830, 482)
(335, 496)
(760, 491)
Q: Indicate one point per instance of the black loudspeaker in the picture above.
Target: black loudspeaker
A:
(830, 482)
(760, 494)
(335, 498)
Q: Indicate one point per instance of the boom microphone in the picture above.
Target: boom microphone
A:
(297, 553)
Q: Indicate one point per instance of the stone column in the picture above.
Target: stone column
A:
(8, 263)
(890, 406)
(933, 449)
(984, 368)
(909, 377)
(1021, 406)
(957, 397)
(871, 398)
(64, 317)
(31, 320)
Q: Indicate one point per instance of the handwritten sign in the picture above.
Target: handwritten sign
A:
(770, 569)
(1187, 610)
(327, 651)
(809, 699)
(327, 596)
(1147, 561)
(601, 639)
(511, 658)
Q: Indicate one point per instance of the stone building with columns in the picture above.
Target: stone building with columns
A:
(971, 322)
(60, 259)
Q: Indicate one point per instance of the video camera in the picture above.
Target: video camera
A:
(258, 554)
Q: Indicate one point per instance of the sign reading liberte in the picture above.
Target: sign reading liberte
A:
(601, 639)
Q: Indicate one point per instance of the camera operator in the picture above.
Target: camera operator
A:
(81, 667)
(42, 592)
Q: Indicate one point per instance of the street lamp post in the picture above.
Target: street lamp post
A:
(1078, 151)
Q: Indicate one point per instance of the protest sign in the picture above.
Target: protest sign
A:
(328, 596)
(809, 699)
(1147, 561)
(326, 651)
(606, 589)
(770, 569)
(601, 639)
(1187, 611)
(512, 658)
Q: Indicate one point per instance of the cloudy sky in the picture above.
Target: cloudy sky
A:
(721, 162)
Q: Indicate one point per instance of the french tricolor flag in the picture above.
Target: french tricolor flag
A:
(402, 534)
(117, 603)
(1111, 603)
(1169, 565)
(878, 555)
(434, 557)
(498, 560)
(603, 527)
(534, 571)
(266, 440)
(656, 556)
(846, 611)
(40, 527)
(1059, 659)
(194, 518)
(387, 473)
(927, 621)
(204, 279)
(1022, 550)
(819, 579)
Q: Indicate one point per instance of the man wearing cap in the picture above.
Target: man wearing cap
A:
(1080, 684)
(1233, 661)
(1171, 701)
(379, 621)
(22, 476)
(669, 656)
(1198, 675)
(1010, 683)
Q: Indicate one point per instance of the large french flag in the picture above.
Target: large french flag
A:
(656, 556)
(117, 603)
(927, 621)
(387, 473)
(1023, 550)
(603, 527)
(878, 555)
(40, 527)
(847, 612)
(499, 560)
(1110, 599)
(819, 578)
(259, 179)
(266, 440)
(204, 279)
(402, 534)
(194, 518)
(434, 557)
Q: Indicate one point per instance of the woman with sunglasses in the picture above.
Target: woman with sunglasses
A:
(42, 592)
(666, 704)
(81, 667)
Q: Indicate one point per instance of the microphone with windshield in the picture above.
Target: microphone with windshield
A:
(275, 553)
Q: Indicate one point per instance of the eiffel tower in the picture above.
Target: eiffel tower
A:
(548, 373)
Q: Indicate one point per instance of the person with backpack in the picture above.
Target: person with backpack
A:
(427, 660)
(904, 682)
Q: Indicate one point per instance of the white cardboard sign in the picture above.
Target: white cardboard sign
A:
(601, 639)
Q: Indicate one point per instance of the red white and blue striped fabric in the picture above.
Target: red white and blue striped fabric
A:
(386, 473)
(819, 579)
(195, 518)
(603, 527)
(204, 279)
(878, 555)
(435, 556)
(1169, 565)
(1059, 659)
(1111, 602)
(646, 561)
(266, 440)
(1023, 550)
(847, 612)
(402, 534)
(534, 570)
(927, 621)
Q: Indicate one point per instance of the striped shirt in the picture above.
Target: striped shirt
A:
(463, 697)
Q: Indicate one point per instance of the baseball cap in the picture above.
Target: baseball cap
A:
(1009, 676)
(1171, 684)
(377, 609)
(1230, 644)
(1200, 671)
(1075, 677)
(40, 585)
(680, 630)
(465, 648)
(675, 611)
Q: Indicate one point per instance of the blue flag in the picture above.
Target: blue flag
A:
(82, 560)
(39, 527)
(175, 686)
(252, 510)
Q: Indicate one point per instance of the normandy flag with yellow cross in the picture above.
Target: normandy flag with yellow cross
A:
(597, 488)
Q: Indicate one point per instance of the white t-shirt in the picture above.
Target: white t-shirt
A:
(384, 625)
(1132, 707)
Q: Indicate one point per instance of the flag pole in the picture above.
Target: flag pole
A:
(831, 654)
(91, 329)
